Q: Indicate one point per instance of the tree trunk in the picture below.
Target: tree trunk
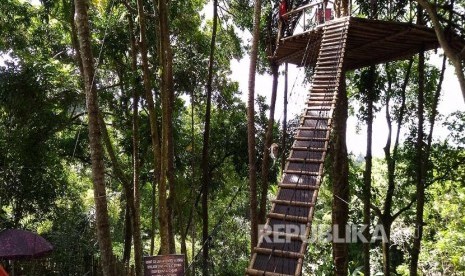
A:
(206, 143)
(122, 177)
(267, 145)
(95, 143)
(138, 250)
(127, 235)
(386, 243)
(368, 172)
(341, 8)
(155, 137)
(283, 142)
(167, 150)
(386, 216)
(455, 58)
(251, 126)
(193, 176)
(420, 168)
(340, 177)
(75, 40)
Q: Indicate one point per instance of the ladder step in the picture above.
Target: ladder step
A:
(329, 55)
(323, 81)
(284, 217)
(303, 160)
(320, 91)
(326, 69)
(332, 57)
(311, 139)
(332, 37)
(323, 77)
(333, 74)
(293, 203)
(256, 272)
(314, 128)
(320, 103)
(279, 253)
(337, 28)
(332, 84)
(335, 61)
(316, 117)
(326, 52)
(323, 99)
(298, 186)
(307, 149)
(334, 27)
(329, 95)
(294, 237)
(301, 172)
(333, 32)
(330, 87)
(335, 23)
(318, 108)
(327, 42)
(337, 49)
(316, 99)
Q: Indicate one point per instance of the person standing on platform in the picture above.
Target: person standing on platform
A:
(282, 17)
(283, 10)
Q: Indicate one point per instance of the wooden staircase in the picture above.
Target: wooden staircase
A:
(283, 242)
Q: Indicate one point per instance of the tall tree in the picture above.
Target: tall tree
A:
(420, 162)
(340, 168)
(251, 126)
(270, 41)
(367, 174)
(267, 145)
(340, 182)
(154, 134)
(420, 167)
(136, 225)
(96, 148)
(391, 155)
(167, 149)
(206, 142)
(283, 141)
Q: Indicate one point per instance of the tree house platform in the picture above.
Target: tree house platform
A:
(368, 42)
(330, 48)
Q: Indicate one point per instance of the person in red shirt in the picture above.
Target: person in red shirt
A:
(3, 271)
(283, 10)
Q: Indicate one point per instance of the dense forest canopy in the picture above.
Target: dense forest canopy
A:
(104, 148)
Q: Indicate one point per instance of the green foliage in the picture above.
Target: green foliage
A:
(31, 115)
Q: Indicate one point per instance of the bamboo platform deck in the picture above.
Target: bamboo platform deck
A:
(368, 42)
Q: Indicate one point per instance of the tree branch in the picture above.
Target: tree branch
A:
(448, 50)
(404, 209)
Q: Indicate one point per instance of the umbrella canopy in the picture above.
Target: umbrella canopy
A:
(16, 244)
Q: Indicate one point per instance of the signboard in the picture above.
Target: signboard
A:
(166, 265)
